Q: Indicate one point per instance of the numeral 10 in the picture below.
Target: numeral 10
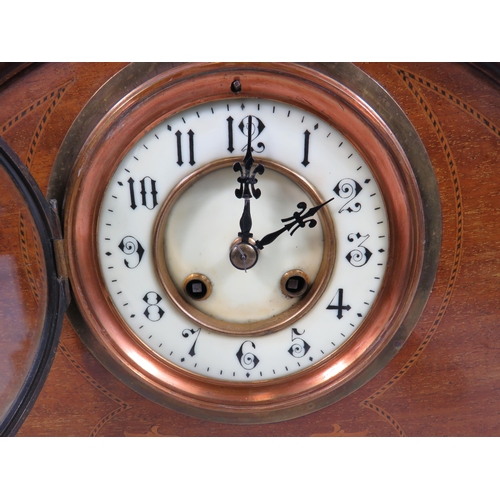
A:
(148, 193)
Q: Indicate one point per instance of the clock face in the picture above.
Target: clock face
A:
(245, 242)
(174, 192)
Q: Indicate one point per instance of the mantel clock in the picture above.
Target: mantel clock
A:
(246, 242)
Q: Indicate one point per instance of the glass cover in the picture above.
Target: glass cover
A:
(23, 292)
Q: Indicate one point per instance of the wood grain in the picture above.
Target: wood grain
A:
(445, 381)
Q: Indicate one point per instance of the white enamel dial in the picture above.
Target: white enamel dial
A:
(315, 162)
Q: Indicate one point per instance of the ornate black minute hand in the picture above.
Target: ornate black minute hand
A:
(247, 188)
(247, 178)
(298, 219)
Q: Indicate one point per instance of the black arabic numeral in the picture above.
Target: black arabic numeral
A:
(189, 332)
(178, 134)
(299, 347)
(131, 182)
(247, 359)
(305, 161)
(252, 127)
(153, 312)
(130, 246)
(148, 193)
(348, 189)
(360, 255)
(179, 141)
(337, 303)
(191, 148)
(230, 146)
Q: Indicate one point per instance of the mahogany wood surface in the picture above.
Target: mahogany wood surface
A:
(445, 381)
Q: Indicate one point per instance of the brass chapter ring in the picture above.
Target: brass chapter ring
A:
(308, 297)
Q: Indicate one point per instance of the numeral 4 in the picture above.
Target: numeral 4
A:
(337, 303)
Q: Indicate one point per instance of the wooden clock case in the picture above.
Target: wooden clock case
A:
(443, 381)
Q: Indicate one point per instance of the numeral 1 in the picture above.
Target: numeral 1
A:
(305, 161)
(230, 146)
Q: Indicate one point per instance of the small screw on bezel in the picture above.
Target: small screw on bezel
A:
(236, 87)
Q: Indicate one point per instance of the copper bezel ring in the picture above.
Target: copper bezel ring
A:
(347, 368)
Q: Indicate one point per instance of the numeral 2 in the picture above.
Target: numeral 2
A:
(348, 189)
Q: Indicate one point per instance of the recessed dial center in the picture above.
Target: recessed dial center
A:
(195, 234)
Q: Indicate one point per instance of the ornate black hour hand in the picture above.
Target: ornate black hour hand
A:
(298, 219)
(247, 178)
(243, 253)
